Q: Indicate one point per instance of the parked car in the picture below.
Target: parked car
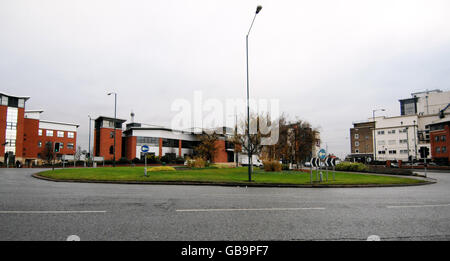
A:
(394, 165)
(307, 164)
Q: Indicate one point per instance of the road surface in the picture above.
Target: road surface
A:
(33, 209)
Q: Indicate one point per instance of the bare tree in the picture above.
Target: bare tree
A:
(207, 148)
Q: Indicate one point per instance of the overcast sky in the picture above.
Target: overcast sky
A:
(329, 62)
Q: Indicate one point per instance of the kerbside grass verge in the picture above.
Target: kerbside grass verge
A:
(221, 175)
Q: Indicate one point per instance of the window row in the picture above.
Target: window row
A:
(440, 138)
(59, 134)
(442, 149)
(61, 145)
(382, 132)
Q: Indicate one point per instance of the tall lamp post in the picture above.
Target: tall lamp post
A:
(375, 133)
(249, 152)
(115, 107)
(90, 120)
(415, 142)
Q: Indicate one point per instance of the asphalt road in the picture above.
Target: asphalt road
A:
(33, 209)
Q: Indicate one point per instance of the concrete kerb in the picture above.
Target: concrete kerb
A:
(428, 181)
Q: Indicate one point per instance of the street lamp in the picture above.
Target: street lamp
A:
(115, 107)
(90, 119)
(375, 134)
(249, 152)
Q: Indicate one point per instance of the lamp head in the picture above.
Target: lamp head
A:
(258, 8)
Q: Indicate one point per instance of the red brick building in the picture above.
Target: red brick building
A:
(23, 135)
(104, 138)
(439, 141)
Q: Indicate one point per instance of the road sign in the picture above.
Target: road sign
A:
(322, 154)
(145, 148)
(315, 162)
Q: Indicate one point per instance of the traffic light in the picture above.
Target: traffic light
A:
(57, 144)
(424, 152)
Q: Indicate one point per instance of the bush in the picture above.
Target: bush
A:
(196, 163)
(221, 166)
(161, 169)
(349, 166)
(272, 165)
(179, 160)
(285, 166)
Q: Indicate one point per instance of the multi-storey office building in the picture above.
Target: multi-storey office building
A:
(161, 141)
(361, 145)
(400, 137)
(24, 136)
(440, 141)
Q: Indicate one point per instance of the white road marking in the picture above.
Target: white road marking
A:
(373, 238)
(73, 238)
(420, 206)
(244, 209)
(53, 212)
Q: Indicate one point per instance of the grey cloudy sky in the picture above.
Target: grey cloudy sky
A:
(329, 62)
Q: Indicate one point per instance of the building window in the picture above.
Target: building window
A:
(111, 150)
(403, 141)
(70, 146)
(391, 132)
(39, 144)
(111, 135)
(403, 151)
(438, 149)
(356, 143)
(356, 136)
(436, 138)
(147, 141)
(443, 138)
(356, 151)
(444, 149)
(367, 137)
(381, 142)
(49, 133)
(11, 125)
(21, 103)
(61, 145)
(40, 132)
(380, 132)
(392, 152)
(70, 135)
(4, 101)
(381, 152)
(60, 134)
(402, 131)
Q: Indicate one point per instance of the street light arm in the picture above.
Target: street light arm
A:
(251, 25)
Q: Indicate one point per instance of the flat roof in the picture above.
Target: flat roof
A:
(62, 123)
(15, 96)
(110, 118)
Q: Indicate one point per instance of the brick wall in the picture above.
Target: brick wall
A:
(106, 141)
(31, 138)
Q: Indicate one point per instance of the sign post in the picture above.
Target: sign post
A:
(145, 149)
(322, 154)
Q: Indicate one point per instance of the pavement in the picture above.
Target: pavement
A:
(34, 209)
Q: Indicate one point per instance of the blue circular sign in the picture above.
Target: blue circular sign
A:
(145, 148)
(322, 154)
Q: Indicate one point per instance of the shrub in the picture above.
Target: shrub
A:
(222, 165)
(124, 161)
(285, 166)
(272, 165)
(349, 166)
(152, 159)
(196, 163)
(162, 168)
(179, 160)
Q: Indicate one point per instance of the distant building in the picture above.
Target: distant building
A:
(23, 135)
(400, 137)
(361, 141)
(440, 143)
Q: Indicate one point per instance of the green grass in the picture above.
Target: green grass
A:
(234, 175)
